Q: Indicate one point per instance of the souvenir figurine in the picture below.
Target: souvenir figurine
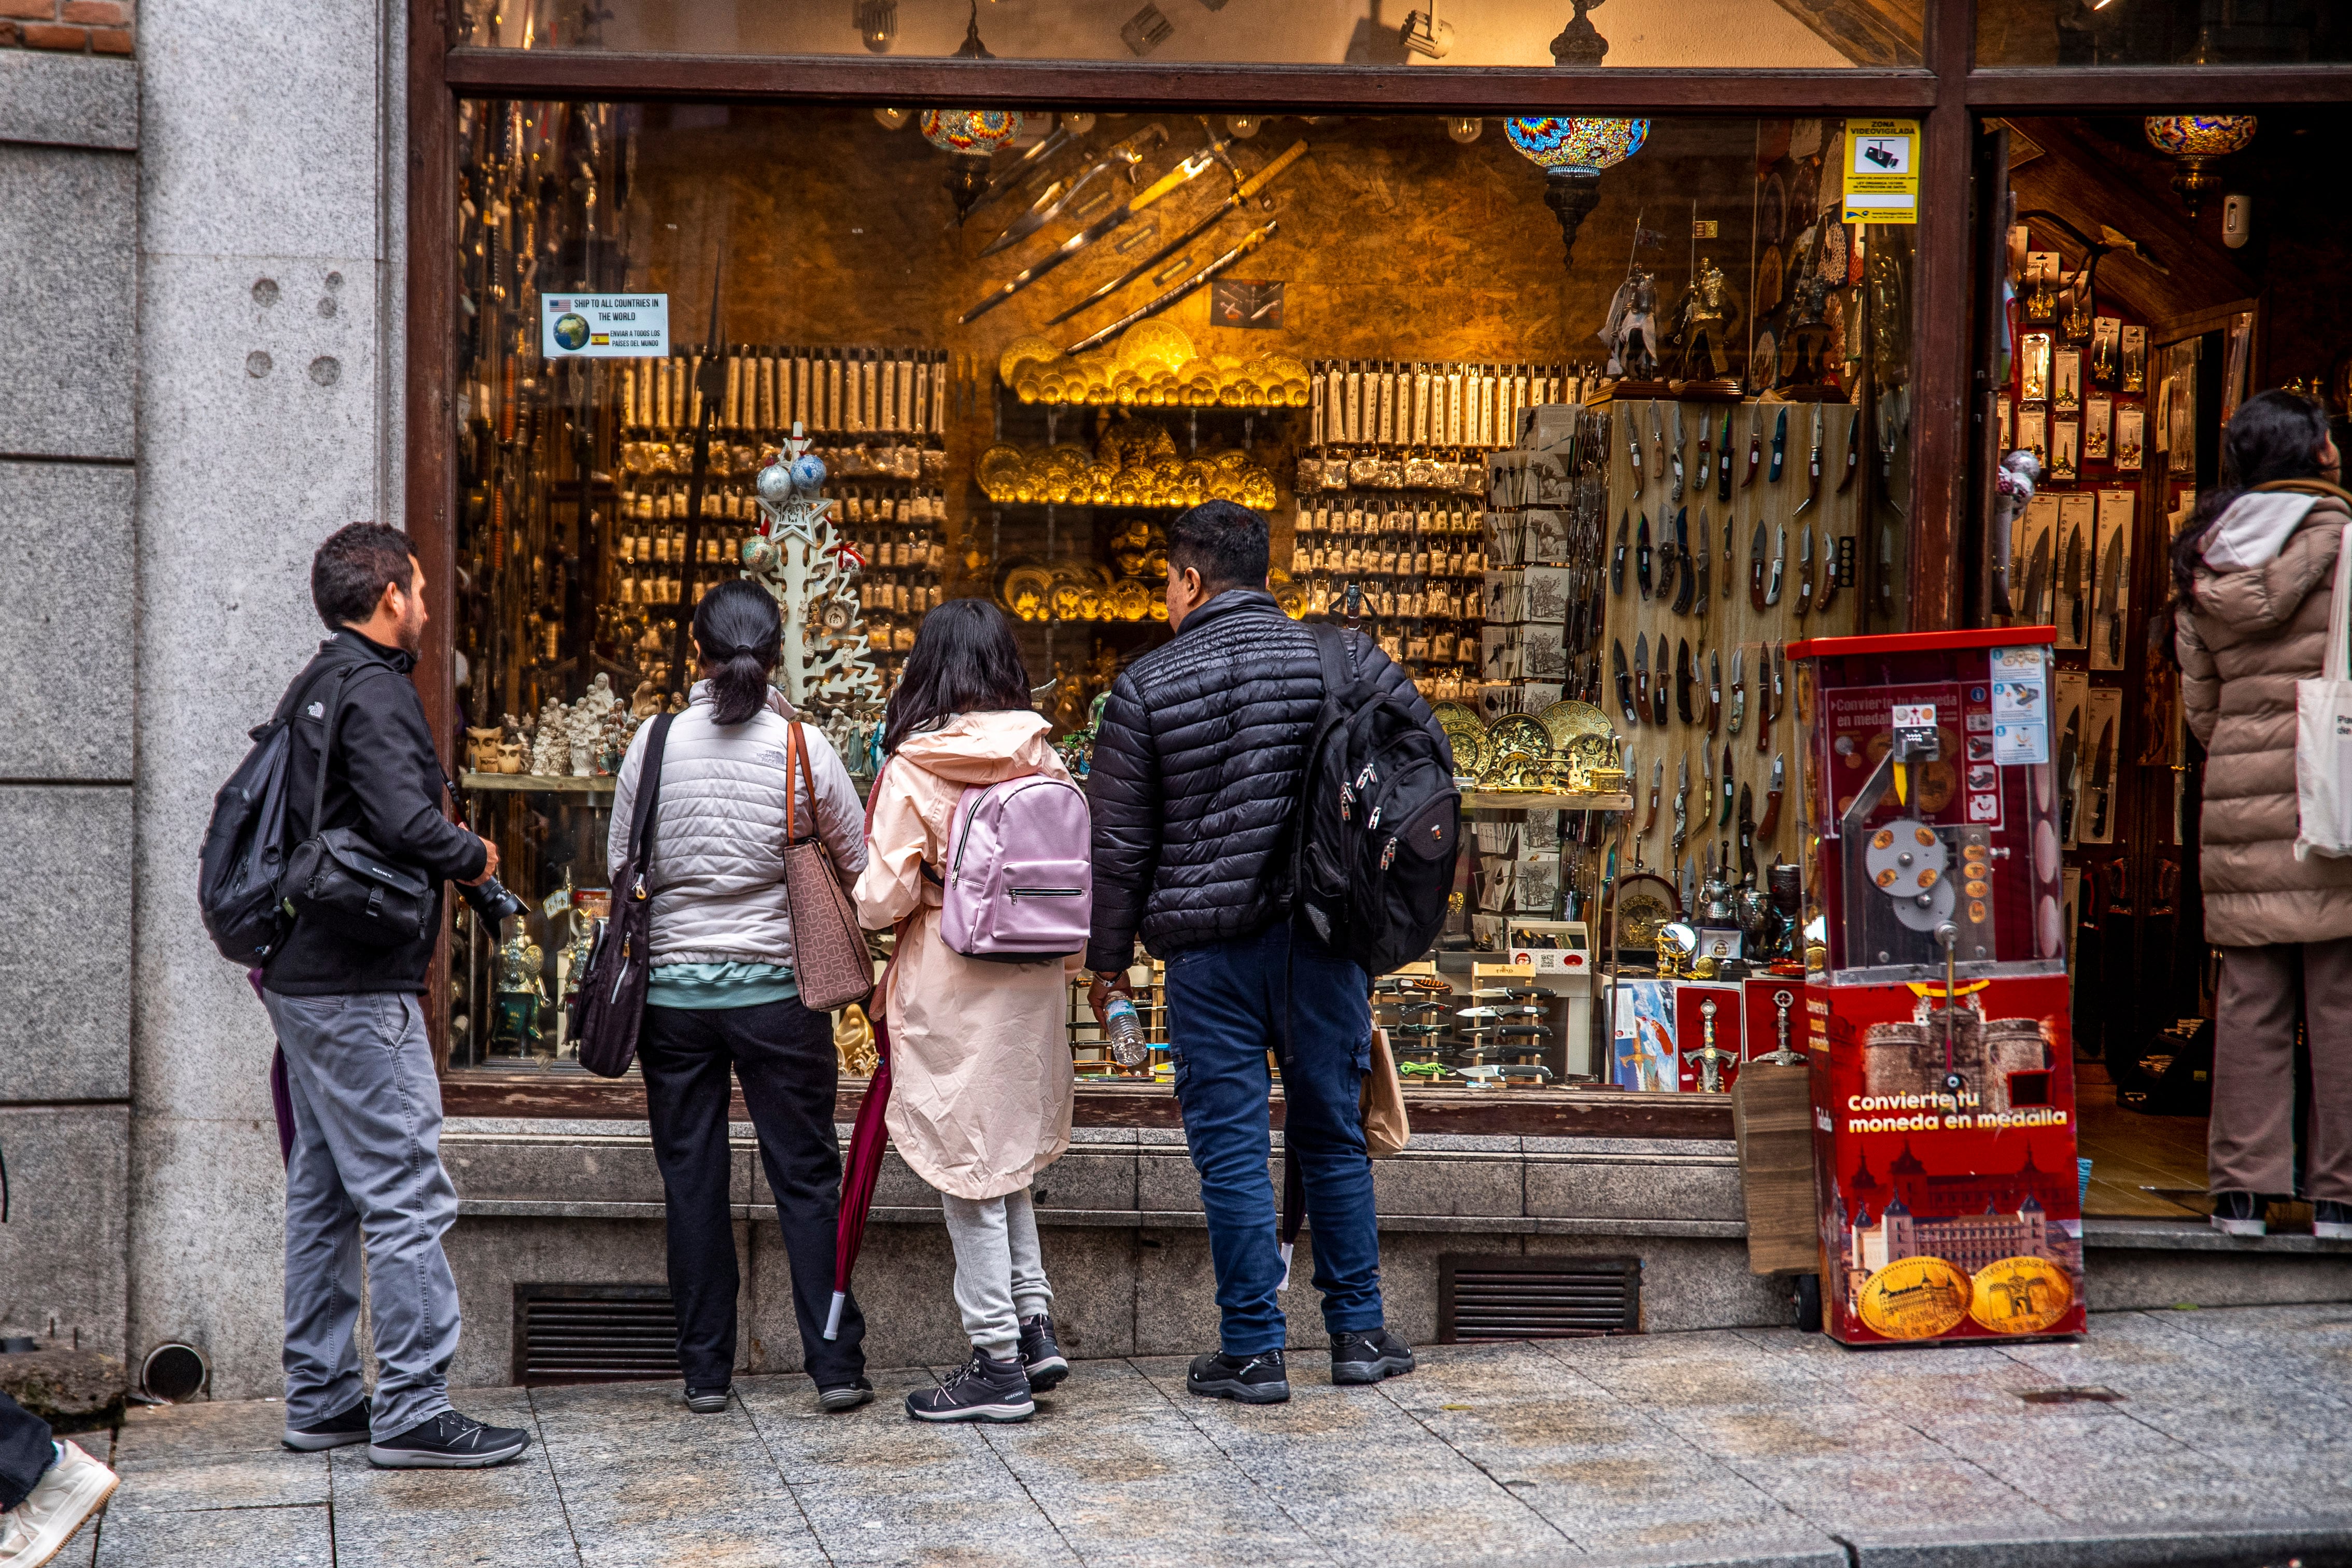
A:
(1632, 330)
(1701, 323)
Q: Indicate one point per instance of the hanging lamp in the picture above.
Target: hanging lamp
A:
(2196, 140)
(1573, 150)
(971, 136)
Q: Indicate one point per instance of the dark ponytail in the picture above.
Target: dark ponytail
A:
(740, 634)
(2273, 435)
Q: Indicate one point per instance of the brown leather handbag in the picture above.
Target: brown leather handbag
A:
(830, 961)
(610, 1005)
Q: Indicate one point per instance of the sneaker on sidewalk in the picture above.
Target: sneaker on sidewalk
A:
(449, 1442)
(1041, 1354)
(334, 1432)
(67, 1493)
(2239, 1214)
(708, 1401)
(1367, 1357)
(2331, 1222)
(845, 1396)
(1251, 1379)
(985, 1389)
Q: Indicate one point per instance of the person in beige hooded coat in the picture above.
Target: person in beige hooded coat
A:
(2254, 575)
(980, 1084)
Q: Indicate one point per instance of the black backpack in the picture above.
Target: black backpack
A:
(1380, 823)
(245, 843)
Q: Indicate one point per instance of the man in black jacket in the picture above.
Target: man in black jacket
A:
(1197, 770)
(366, 1160)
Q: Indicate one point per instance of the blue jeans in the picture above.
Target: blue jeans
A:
(1226, 1007)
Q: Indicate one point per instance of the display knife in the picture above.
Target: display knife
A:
(1724, 819)
(1657, 789)
(1248, 188)
(1056, 199)
(1756, 568)
(1642, 674)
(1683, 677)
(1764, 829)
(1714, 689)
(1617, 562)
(1190, 169)
(1246, 243)
(1780, 567)
(1668, 560)
(2073, 584)
(1687, 585)
(2103, 762)
(1804, 570)
(1701, 566)
(1634, 448)
(1738, 690)
(1642, 556)
(1706, 457)
(1675, 454)
(1829, 570)
(1767, 696)
(1747, 830)
(1723, 463)
(1853, 452)
(1779, 448)
(1682, 810)
(1624, 680)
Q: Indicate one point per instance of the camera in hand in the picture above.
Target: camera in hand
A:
(490, 900)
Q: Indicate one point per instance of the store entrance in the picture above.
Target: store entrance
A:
(2153, 273)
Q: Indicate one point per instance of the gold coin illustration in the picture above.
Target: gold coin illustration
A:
(1916, 1298)
(2020, 1295)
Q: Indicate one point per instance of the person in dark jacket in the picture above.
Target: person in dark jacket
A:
(365, 1161)
(1198, 765)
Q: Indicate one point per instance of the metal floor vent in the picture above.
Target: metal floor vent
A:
(593, 1334)
(1483, 1299)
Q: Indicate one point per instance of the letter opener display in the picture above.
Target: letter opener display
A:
(1189, 169)
(1772, 792)
(1056, 198)
(1714, 689)
(1624, 681)
(1617, 562)
(1249, 242)
(1248, 188)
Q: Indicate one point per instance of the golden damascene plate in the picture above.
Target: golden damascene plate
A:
(1587, 752)
(1916, 1298)
(1160, 344)
(2020, 1295)
(1565, 720)
(1517, 732)
(1032, 349)
(1449, 710)
(1027, 592)
(1470, 748)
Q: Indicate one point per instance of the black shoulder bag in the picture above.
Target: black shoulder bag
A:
(337, 880)
(610, 1004)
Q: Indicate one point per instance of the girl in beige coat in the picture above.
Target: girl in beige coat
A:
(981, 1083)
(2254, 576)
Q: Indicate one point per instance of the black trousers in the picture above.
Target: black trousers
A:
(783, 1053)
(25, 1453)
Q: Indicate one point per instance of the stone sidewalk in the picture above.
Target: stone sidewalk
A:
(2229, 1440)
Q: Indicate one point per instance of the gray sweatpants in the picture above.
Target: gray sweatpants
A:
(366, 1162)
(1000, 1270)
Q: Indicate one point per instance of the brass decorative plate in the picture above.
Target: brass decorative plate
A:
(1517, 732)
(1565, 721)
(1646, 902)
(1471, 748)
(1450, 711)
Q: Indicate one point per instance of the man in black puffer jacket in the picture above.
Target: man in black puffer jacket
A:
(1197, 769)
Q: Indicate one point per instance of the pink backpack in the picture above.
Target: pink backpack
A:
(1019, 883)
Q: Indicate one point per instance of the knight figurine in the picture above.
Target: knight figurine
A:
(1703, 321)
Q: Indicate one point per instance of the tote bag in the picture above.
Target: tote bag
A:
(2322, 733)
(829, 956)
(609, 1009)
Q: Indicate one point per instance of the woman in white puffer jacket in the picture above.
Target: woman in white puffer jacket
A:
(722, 994)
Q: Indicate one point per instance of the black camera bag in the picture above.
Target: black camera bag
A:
(337, 880)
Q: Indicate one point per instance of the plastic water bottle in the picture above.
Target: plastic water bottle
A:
(1128, 1046)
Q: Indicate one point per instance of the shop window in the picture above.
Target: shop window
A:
(1458, 385)
(1657, 33)
(2161, 32)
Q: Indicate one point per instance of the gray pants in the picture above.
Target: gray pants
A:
(1000, 1270)
(366, 1163)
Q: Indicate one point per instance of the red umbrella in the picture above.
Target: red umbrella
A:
(867, 1140)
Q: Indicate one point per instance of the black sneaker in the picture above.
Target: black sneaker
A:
(985, 1389)
(334, 1432)
(2239, 1214)
(449, 1442)
(845, 1396)
(2331, 1222)
(708, 1401)
(1252, 1379)
(1041, 1357)
(1369, 1357)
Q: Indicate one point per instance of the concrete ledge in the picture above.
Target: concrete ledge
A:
(2196, 1236)
(2185, 1546)
(68, 100)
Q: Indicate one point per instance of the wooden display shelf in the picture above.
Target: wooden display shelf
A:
(1538, 801)
(537, 783)
(1563, 1112)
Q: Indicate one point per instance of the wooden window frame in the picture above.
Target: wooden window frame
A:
(1944, 92)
